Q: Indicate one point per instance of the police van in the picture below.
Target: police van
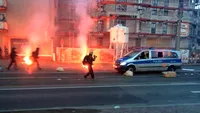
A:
(149, 60)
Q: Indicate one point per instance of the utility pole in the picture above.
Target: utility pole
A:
(178, 33)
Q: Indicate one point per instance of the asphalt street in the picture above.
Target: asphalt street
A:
(61, 90)
(110, 91)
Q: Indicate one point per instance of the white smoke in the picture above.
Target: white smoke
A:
(85, 21)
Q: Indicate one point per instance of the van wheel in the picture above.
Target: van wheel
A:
(171, 68)
(132, 68)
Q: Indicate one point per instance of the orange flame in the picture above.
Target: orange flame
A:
(84, 49)
(27, 60)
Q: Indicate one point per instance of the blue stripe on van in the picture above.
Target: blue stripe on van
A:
(154, 61)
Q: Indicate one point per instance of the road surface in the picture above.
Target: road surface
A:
(56, 90)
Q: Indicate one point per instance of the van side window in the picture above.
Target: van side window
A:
(143, 55)
(168, 54)
(156, 54)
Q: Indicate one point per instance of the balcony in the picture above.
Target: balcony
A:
(3, 26)
(3, 4)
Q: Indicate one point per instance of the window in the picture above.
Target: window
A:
(168, 54)
(139, 1)
(120, 7)
(164, 28)
(163, 54)
(154, 11)
(153, 28)
(155, 2)
(143, 55)
(156, 54)
(165, 12)
(166, 3)
(2, 17)
(140, 25)
(123, 22)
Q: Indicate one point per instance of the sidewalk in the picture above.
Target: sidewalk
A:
(49, 66)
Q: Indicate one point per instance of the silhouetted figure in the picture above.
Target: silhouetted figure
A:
(35, 56)
(13, 56)
(6, 52)
(88, 60)
(1, 52)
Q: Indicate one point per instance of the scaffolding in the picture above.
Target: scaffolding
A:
(141, 6)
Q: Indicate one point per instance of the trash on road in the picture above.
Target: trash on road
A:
(169, 74)
(60, 69)
(128, 73)
(117, 107)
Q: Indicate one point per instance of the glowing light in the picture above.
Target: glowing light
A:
(86, 66)
(84, 50)
(27, 60)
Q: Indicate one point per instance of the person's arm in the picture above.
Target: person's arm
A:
(94, 58)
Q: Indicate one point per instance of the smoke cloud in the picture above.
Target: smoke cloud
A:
(39, 25)
(85, 21)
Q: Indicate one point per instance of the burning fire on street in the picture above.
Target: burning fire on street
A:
(27, 60)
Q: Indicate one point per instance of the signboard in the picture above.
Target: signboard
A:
(184, 29)
(19, 44)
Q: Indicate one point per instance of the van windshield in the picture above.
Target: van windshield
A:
(131, 54)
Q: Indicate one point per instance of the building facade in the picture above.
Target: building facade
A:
(152, 23)
(28, 22)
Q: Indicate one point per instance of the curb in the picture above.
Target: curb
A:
(97, 72)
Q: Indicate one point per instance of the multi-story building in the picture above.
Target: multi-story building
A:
(3, 23)
(28, 21)
(152, 23)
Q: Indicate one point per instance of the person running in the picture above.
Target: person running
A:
(13, 56)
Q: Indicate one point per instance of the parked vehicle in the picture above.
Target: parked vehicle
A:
(150, 60)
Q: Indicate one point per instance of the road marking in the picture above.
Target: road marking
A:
(94, 86)
(188, 69)
(195, 91)
(103, 107)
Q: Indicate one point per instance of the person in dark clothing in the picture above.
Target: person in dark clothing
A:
(1, 52)
(6, 52)
(88, 60)
(35, 56)
(13, 56)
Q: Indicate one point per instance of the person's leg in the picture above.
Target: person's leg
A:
(15, 64)
(91, 72)
(11, 62)
(38, 65)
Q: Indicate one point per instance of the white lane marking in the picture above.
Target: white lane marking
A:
(195, 91)
(102, 107)
(188, 69)
(94, 86)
